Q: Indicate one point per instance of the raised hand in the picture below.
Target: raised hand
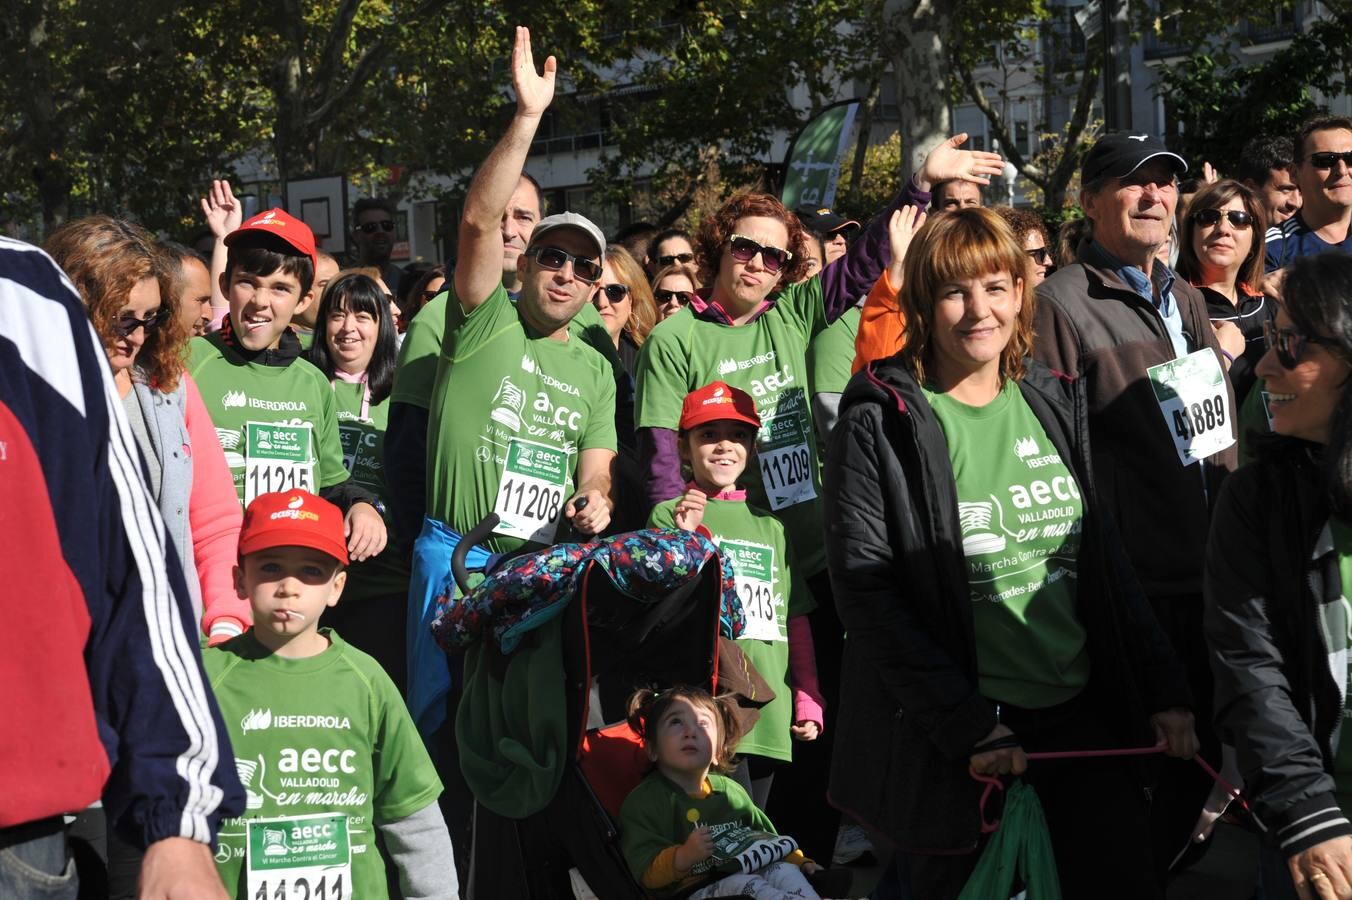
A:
(220, 208)
(901, 228)
(947, 162)
(534, 92)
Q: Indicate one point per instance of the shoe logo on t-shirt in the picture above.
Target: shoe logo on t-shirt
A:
(509, 401)
(977, 536)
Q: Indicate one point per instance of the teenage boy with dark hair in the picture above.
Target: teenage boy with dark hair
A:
(273, 411)
(1265, 165)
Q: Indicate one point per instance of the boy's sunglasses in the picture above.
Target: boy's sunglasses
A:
(1326, 159)
(665, 297)
(1236, 217)
(674, 258)
(1040, 255)
(1290, 344)
(615, 293)
(125, 325)
(373, 227)
(743, 249)
(553, 258)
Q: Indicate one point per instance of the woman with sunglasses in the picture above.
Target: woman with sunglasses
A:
(671, 248)
(1277, 589)
(1221, 254)
(124, 281)
(674, 287)
(989, 608)
(355, 349)
(419, 294)
(626, 304)
(1031, 233)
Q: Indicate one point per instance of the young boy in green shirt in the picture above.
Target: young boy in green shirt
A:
(274, 412)
(322, 741)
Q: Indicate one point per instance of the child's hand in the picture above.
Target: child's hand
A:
(223, 213)
(365, 532)
(809, 868)
(805, 731)
(903, 225)
(698, 847)
(690, 509)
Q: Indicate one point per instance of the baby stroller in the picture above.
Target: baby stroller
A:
(632, 610)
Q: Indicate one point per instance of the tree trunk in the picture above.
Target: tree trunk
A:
(861, 145)
(921, 30)
(43, 132)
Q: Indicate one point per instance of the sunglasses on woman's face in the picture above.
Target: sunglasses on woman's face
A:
(744, 249)
(553, 258)
(665, 297)
(674, 258)
(125, 325)
(615, 293)
(1237, 218)
(1290, 344)
(1040, 255)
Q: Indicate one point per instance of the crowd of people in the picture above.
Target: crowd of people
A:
(986, 496)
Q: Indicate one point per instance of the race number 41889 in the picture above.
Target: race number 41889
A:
(1195, 403)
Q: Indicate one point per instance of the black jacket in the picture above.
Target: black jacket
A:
(1271, 571)
(909, 709)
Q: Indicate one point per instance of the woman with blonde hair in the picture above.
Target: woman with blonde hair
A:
(625, 303)
(988, 607)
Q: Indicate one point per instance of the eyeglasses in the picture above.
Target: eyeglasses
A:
(665, 297)
(1326, 159)
(373, 227)
(674, 258)
(126, 325)
(615, 293)
(1290, 344)
(1040, 255)
(553, 258)
(773, 258)
(1236, 217)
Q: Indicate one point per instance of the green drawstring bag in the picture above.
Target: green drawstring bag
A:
(1020, 852)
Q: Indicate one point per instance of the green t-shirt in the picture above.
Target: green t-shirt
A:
(364, 457)
(326, 734)
(277, 424)
(830, 357)
(1336, 620)
(510, 416)
(658, 814)
(1021, 513)
(771, 590)
(1254, 419)
(416, 374)
(767, 358)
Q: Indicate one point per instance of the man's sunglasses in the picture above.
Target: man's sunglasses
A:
(1237, 218)
(373, 227)
(773, 258)
(1326, 159)
(553, 258)
(1040, 255)
(615, 293)
(1290, 345)
(674, 258)
(126, 325)
(681, 297)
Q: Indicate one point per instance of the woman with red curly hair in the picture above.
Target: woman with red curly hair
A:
(124, 279)
(750, 328)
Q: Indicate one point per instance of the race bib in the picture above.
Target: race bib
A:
(785, 461)
(753, 572)
(532, 491)
(277, 458)
(750, 850)
(299, 858)
(1195, 404)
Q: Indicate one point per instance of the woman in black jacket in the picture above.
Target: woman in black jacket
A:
(987, 605)
(1278, 578)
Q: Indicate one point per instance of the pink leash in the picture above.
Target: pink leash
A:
(993, 783)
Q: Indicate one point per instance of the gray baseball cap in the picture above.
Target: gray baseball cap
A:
(570, 220)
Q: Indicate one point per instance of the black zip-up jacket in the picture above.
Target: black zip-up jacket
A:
(1270, 571)
(909, 710)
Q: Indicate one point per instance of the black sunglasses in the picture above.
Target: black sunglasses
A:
(744, 249)
(1326, 159)
(1040, 255)
(675, 258)
(615, 293)
(125, 325)
(1290, 344)
(665, 297)
(1237, 218)
(372, 227)
(553, 258)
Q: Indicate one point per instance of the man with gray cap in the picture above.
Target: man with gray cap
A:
(1161, 415)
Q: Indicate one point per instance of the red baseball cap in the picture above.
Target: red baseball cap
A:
(717, 400)
(293, 519)
(281, 224)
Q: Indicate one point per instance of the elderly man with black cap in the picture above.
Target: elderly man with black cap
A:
(1161, 413)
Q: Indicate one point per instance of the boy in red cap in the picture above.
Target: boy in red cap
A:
(717, 439)
(274, 412)
(322, 740)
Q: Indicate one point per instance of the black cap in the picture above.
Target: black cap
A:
(1119, 153)
(822, 220)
